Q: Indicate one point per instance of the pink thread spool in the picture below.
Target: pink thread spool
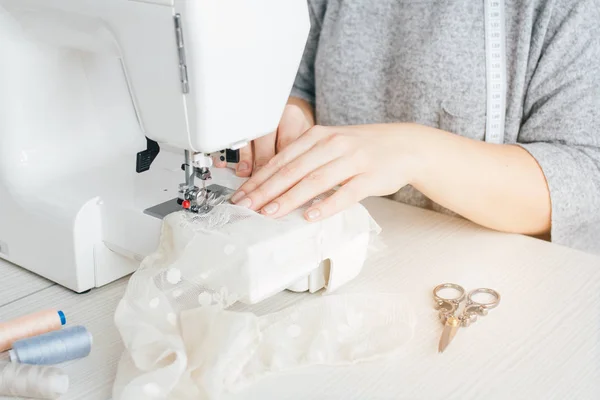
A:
(29, 326)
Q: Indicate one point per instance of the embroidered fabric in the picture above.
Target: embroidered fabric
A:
(183, 342)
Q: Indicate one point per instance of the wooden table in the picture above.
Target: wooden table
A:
(542, 342)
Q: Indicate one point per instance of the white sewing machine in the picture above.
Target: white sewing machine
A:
(84, 82)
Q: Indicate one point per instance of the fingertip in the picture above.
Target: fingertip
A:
(239, 195)
(245, 203)
(313, 214)
(243, 169)
(270, 209)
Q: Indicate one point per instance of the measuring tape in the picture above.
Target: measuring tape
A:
(495, 55)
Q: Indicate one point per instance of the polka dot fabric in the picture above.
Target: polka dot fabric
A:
(182, 337)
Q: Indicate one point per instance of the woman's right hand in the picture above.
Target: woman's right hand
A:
(297, 118)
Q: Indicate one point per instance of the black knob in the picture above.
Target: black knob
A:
(232, 156)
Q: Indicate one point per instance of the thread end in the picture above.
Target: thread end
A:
(63, 318)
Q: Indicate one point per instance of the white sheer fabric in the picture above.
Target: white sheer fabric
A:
(183, 343)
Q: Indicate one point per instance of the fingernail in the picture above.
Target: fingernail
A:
(243, 166)
(237, 197)
(246, 203)
(271, 208)
(313, 214)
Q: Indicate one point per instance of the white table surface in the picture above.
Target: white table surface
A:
(542, 342)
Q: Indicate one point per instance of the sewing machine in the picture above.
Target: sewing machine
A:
(104, 102)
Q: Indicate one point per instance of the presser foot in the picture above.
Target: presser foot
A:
(216, 195)
(203, 200)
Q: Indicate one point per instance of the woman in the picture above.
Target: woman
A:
(398, 90)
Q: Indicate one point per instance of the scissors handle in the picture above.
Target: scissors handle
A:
(474, 309)
(448, 308)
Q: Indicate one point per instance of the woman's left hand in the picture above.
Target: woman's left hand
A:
(367, 160)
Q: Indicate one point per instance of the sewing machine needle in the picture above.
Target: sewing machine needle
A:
(450, 328)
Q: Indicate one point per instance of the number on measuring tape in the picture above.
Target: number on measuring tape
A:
(495, 55)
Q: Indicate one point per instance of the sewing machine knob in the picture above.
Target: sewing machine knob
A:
(186, 204)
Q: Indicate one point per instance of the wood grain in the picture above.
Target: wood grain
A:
(91, 377)
(543, 341)
(16, 283)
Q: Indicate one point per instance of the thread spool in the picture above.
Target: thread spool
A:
(32, 381)
(53, 347)
(29, 326)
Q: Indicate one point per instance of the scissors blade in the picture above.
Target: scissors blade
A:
(450, 328)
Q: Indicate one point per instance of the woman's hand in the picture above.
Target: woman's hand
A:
(369, 160)
(501, 187)
(297, 118)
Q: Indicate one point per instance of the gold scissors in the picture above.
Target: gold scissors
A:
(448, 308)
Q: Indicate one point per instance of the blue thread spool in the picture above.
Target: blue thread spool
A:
(53, 347)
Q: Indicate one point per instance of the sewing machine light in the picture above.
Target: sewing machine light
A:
(201, 160)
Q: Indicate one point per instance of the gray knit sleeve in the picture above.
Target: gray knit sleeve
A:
(561, 125)
(304, 85)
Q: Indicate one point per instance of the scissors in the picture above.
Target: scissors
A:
(448, 307)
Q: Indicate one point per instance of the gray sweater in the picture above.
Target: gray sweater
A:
(423, 61)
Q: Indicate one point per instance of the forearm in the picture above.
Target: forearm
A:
(498, 186)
